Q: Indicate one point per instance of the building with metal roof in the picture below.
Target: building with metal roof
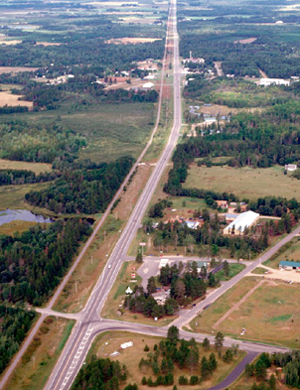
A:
(242, 222)
(289, 265)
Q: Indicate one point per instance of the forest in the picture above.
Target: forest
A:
(17, 177)
(33, 263)
(85, 191)
(14, 325)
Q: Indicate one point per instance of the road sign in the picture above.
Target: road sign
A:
(142, 244)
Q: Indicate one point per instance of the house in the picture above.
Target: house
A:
(230, 217)
(128, 291)
(161, 297)
(241, 223)
(290, 167)
(201, 264)
(290, 265)
(222, 204)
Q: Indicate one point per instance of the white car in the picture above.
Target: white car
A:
(109, 266)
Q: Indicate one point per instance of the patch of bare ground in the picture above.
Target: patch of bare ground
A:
(80, 285)
(134, 41)
(16, 69)
(8, 99)
(48, 43)
(246, 41)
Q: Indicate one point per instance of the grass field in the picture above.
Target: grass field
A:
(23, 165)
(112, 130)
(271, 314)
(290, 251)
(12, 197)
(244, 182)
(16, 227)
(7, 99)
(107, 343)
(39, 360)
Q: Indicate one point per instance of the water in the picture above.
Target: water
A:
(8, 215)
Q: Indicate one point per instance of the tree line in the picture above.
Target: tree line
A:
(19, 176)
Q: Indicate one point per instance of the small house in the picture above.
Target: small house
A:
(290, 167)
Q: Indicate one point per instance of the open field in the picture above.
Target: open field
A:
(8, 99)
(110, 342)
(15, 69)
(23, 165)
(244, 182)
(12, 197)
(234, 269)
(39, 359)
(270, 313)
(114, 304)
(112, 130)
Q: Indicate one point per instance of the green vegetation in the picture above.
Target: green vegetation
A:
(14, 325)
(33, 263)
(233, 269)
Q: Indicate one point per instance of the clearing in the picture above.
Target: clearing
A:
(109, 342)
(245, 41)
(15, 69)
(8, 99)
(268, 310)
(23, 165)
(244, 182)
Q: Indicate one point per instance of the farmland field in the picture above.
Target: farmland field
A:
(244, 182)
(270, 313)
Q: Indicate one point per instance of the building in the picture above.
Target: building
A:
(201, 264)
(289, 265)
(266, 82)
(192, 224)
(290, 167)
(223, 204)
(242, 222)
(148, 85)
(163, 263)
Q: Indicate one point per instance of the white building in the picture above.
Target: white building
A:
(243, 221)
(290, 167)
(266, 82)
(148, 85)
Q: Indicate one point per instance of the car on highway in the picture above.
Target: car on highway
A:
(109, 266)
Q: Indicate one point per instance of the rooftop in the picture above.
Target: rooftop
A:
(286, 263)
(243, 221)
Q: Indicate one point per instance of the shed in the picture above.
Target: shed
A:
(242, 222)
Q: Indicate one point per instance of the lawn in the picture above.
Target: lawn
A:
(112, 130)
(109, 342)
(244, 182)
(270, 314)
(234, 269)
(14, 227)
(38, 361)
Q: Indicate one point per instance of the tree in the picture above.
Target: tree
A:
(179, 292)
(173, 334)
(213, 362)
(192, 359)
(139, 257)
(226, 268)
(219, 339)
(272, 382)
(151, 286)
(206, 344)
(205, 369)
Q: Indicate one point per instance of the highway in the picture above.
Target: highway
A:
(89, 323)
(79, 341)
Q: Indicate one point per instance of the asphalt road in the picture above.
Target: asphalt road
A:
(89, 323)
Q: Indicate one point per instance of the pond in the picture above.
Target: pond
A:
(8, 215)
